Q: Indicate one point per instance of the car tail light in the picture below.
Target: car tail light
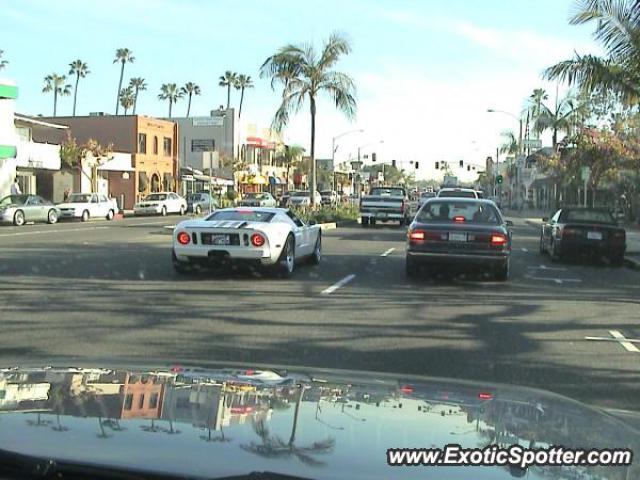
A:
(569, 232)
(406, 389)
(485, 396)
(498, 239)
(183, 238)
(257, 240)
(417, 235)
(459, 219)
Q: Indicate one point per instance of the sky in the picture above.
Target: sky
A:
(425, 71)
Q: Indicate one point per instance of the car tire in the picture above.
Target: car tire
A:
(502, 273)
(182, 210)
(411, 268)
(198, 210)
(553, 253)
(85, 216)
(18, 218)
(287, 260)
(181, 268)
(52, 217)
(163, 212)
(365, 222)
(543, 250)
(616, 260)
(372, 222)
(110, 215)
(316, 256)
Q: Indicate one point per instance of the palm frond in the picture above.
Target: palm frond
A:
(342, 91)
(336, 46)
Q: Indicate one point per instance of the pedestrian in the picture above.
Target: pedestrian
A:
(15, 188)
(65, 195)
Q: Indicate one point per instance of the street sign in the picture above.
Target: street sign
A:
(532, 143)
(585, 173)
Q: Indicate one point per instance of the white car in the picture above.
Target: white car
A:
(457, 193)
(88, 205)
(303, 199)
(161, 203)
(271, 237)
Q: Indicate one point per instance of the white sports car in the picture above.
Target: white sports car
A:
(261, 236)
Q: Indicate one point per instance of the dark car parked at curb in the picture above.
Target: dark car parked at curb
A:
(201, 202)
(459, 234)
(583, 231)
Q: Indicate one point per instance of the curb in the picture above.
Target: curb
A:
(169, 227)
(328, 226)
(632, 263)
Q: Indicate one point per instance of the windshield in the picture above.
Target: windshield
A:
(79, 198)
(13, 200)
(388, 192)
(452, 211)
(300, 194)
(588, 216)
(241, 215)
(155, 197)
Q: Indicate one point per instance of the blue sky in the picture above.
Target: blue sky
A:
(426, 71)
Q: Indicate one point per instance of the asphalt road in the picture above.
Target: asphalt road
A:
(76, 292)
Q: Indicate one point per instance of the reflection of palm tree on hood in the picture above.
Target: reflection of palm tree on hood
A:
(272, 446)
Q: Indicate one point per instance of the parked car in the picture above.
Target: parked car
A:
(329, 197)
(259, 199)
(303, 199)
(88, 205)
(385, 204)
(458, 193)
(161, 204)
(201, 202)
(424, 196)
(20, 209)
(459, 234)
(576, 231)
(272, 237)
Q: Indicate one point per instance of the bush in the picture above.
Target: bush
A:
(231, 195)
(327, 214)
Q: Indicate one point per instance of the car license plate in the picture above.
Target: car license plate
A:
(220, 240)
(594, 235)
(457, 237)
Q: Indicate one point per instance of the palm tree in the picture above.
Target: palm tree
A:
(190, 89)
(564, 118)
(3, 63)
(170, 91)
(127, 99)
(242, 82)
(304, 74)
(618, 30)
(510, 145)
(292, 154)
(538, 96)
(228, 80)
(138, 85)
(56, 83)
(123, 55)
(80, 70)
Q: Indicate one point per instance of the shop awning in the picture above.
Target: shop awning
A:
(143, 181)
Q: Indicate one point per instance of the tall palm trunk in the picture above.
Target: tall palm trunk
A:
(189, 105)
(119, 88)
(241, 99)
(313, 151)
(170, 105)
(75, 93)
(55, 101)
(228, 95)
(135, 102)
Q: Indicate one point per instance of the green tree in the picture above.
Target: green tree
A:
(80, 70)
(190, 89)
(127, 99)
(170, 92)
(243, 82)
(618, 31)
(3, 63)
(138, 84)
(565, 117)
(510, 143)
(292, 155)
(304, 75)
(123, 55)
(536, 100)
(228, 80)
(56, 83)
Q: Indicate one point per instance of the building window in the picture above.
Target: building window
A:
(128, 401)
(155, 145)
(141, 401)
(203, 145)
(153, 400)
(142, 143)
(167, 147)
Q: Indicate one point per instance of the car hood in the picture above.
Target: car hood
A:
(232, 420)
(72, 205)
(11, 205)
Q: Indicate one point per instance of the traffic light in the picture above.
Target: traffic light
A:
(373, 157)
(417, 164)
(437, 165)
(468, 168)
(499, 179)
(393, 163)
(461, 163)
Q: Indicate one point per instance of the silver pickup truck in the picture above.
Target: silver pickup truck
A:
(385, 204)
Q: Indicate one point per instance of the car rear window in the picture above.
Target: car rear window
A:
(456, 194)
(241, 215)
(156, 197)
(588, 216)
(388, 192)
(79, 198)
(451, 211)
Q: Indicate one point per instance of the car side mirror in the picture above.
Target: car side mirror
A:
(509, 223)
(312, 222)
(545, 219)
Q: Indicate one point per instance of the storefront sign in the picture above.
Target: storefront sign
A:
(207, 121)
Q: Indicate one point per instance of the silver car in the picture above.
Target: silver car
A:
(20, 209)
(258, 200)
(201, 202)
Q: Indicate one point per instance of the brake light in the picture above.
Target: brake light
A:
(257, 240)
(406, 389)
(183, 238)
(498, 239)
(485, 396)
(417, 235)
(459, 219)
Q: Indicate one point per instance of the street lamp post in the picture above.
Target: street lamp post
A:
(368, 145)
(334, 148)
(519, 120)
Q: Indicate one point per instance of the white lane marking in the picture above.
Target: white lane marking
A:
(627, 343)
(338, 285)
(385, 254)
(147, 224)
(43, 232)
(556, 280)
(544, 267)
(525, 250)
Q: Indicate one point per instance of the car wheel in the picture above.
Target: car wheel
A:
(52, 216)
(287, 261)
(553, 252)
(372, 222)
(316, 256)
(365, 222)
(411, 268)
(182, 209)
(110, 215)
(164, 211)
(542, 249)
(85, 216)
(616, 260)
(198, 210)
(18, 218)
(180, 267)
(502, 273)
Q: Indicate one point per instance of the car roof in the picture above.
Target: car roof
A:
(254, 209)
(457, 189)
(484, 201)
